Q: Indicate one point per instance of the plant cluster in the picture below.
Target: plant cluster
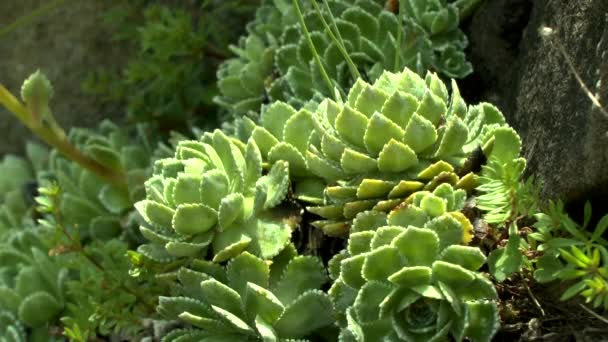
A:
(295, 53)
(352, 136)
(171, 77)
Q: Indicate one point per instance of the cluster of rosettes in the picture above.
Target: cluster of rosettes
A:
(17, 188)
(385, 142)
(31, 284)
(275, 59)
(406, 276)
(390, 167)
(87, 201)
(250, 299)
(212, 194)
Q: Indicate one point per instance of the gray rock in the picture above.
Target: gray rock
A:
(66, 44)
(528, 77)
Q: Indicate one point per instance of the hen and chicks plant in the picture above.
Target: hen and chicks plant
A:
(352, 38)
(386, 161)
(341, 163)
(251, 299)
(409, 276)
(212, 195)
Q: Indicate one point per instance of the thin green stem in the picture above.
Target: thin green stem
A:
(312, 47)
(28, 18)
(77, 247)
(339, 42)
(54, 136)
(397, 65)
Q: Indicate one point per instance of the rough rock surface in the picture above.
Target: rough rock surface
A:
(528, 77)
(65, 43)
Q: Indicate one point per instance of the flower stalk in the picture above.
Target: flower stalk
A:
(36, 115)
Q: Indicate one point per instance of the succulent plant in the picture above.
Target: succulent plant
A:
(406, 276)
(90, 203)
(31, 284)
(213, 193)
(11, 329)
(250, 299)
(386, 141)
(439, 20)
(275, 59)
(17, 187)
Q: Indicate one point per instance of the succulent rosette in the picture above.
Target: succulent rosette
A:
(275, 61)
(87, 201)
(407, 276)
(212, 194)
(31, 284)
(250, 299)
(383, 143)
(11, 329)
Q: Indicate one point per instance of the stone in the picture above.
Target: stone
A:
(66, 43)
(527, 76)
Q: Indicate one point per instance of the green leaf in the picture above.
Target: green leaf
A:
(368, 220)
(303, 273)
(9, 299)
(374, 140)
(38, 309)
(215, 293)
(264, 139)
(400, 107)
(600, 228)
(374, 188)
(275, 117)
(229, 243)
(454, 276)
(265, 329)
(483, 320)
(190, 249)
(309, 312)
(351, 125)
(431, 107)
(546, 268)
(573, 290)
(191, 219)
(420, 247)
(381, 263)
(105, 155)
(105, 227)
(587, 214)
(351, 271)
(276, 184)
(354, 162)
(433, 206)
(155, 213)
(298, 130)
(454, 138)
(187, 189)
(260, 302)
(215, 186)
(370, 100)
(246, 268)
(505, 261)
(419, 133)
(288, 153)
(359, 242)
(408, 216)
(233, 320)
(232, 210)
(471, 258)
(409, 277)
(369, 299)
(396, 157)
